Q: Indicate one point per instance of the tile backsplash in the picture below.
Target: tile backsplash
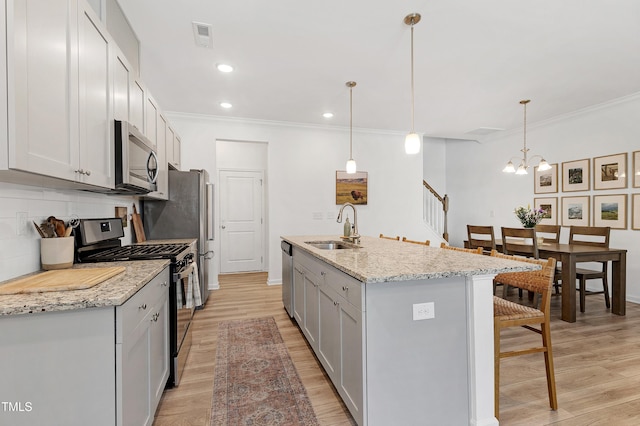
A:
(19, 241)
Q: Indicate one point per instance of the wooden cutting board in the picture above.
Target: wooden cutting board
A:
(137, 226)
(60, 280)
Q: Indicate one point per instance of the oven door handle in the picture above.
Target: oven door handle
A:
(178, 276)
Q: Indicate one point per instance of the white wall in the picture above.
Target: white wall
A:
(302, 162)
(481, 194)
(20, 245)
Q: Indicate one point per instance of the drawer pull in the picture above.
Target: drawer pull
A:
(143, 306)
(164, 284)
(155, 317)
(336, 303)
(345, 288)
(323, 273)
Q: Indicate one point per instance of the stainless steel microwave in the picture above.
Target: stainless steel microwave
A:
(136, 161)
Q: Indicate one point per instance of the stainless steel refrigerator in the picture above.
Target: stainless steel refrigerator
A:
(187, 214)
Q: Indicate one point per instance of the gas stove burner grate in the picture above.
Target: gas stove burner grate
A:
(138, 252)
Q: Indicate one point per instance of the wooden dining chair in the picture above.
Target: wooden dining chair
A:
(510, 314)
(424, 243)
(481, 236)
(397, 237)
(551, 234)
(478, 250)
(520, 241)
(595, 236)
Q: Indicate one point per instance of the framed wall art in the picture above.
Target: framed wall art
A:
(610, 172)
(545, 182)
(610, 210)
(575, 175)
(636, 169)
(351, 188)
(635, 211)
(550, 207)
(575, 211)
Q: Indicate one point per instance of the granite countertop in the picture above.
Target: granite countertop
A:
(112, 292)
(381, 260)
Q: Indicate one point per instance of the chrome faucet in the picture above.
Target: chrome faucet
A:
(355, 237)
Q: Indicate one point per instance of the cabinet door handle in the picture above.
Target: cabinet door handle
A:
(87, 172)
(155, 317)
(345, 288)
(164, 284)
(80, 171)
(336, 303)
(143, 306)
(323, 273)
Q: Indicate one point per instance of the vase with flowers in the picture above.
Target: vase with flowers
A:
(529, 217)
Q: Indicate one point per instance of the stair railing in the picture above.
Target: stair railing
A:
(435, 210)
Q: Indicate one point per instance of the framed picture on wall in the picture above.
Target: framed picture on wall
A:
(550, 208)
(575, 175)
(545, 182)
(351, 188)
(636, 169)
(635, 211)
(610, 172)
(575, 211)
(610, 210)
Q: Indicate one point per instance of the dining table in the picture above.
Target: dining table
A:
(570, 255)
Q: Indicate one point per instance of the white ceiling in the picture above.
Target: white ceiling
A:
(474, 60)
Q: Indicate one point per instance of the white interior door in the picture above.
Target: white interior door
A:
(241, 222)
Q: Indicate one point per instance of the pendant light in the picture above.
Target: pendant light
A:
(351, 163)
(524, 165)
(412, 141)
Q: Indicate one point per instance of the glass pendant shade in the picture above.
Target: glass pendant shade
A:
(412, 143)
(543, 165)
(351, 166)
(522, 170)
(509, 168)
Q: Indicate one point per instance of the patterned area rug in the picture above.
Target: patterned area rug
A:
(255, 380)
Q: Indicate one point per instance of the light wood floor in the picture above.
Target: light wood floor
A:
(597, 362)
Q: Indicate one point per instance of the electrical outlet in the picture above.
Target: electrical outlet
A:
(21, 223)
(422, 311)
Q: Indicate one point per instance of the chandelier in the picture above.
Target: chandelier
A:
(524, 164)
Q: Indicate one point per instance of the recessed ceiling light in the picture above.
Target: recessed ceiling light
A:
(225, 105)
(224, 68)
(328, 115)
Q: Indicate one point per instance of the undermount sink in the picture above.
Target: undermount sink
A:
(331, 245)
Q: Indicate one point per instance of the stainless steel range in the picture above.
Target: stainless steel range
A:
(98, 240)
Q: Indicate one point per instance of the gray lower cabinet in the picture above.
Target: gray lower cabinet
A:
(63, 368)
(142, 352)
(328, 308)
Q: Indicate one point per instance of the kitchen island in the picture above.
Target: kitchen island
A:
(404, 331)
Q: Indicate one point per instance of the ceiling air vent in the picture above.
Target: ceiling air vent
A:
(202, 34)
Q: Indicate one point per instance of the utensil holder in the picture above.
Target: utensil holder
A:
(56, 253)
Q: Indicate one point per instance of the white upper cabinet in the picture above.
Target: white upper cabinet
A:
(121, 85)
(95, 112)
(151, 119)
(177, 146)
(59, 108)
(43, 99)
(137, 101)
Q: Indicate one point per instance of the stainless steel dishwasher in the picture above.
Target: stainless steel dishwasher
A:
(287, 277)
